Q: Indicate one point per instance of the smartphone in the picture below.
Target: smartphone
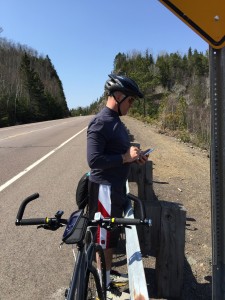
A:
(146, 152)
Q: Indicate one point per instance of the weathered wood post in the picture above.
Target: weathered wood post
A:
(170, 257)
(148, 237)
(142, 175)
(166, 238)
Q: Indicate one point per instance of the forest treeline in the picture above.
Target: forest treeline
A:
(30, 88)
(176, 89)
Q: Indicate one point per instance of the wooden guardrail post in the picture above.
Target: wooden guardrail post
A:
(166, 238)
(142, 175)
(148, 237)
(170, 257)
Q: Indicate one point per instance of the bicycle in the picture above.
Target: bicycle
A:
(89, 275)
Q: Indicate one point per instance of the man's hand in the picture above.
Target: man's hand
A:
(142, 159)
(131, 155)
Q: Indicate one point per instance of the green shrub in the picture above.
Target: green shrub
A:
(4, 121)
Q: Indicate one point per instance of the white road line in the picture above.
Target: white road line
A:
(5, 185)
(27, 132)
(35, 124)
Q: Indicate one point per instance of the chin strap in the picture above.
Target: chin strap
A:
(119, 103)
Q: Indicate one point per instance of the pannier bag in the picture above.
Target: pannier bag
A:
(75, 228)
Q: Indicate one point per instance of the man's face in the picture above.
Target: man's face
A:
(126, 104)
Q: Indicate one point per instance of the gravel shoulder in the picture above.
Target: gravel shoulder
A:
(186, 171)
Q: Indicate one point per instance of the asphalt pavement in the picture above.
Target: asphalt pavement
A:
(48, 158)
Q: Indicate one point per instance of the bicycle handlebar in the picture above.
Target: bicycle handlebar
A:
(57, 221)
(137, 200)
(46, 223)
(32, 221)
(122, 221)
(23, 206)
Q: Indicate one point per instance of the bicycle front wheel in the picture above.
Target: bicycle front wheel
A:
(93, 286)
(96, 277)
(99, 264)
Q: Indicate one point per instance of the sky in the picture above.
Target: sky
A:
(82, 37)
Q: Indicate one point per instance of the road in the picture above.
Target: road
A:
(48, 158)
(31, 263)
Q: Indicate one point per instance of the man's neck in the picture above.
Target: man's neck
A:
(112, 104)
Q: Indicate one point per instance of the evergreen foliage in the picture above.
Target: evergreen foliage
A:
(30, 89)
(176, 89)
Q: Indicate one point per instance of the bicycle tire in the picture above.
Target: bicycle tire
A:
(93, 288)
(101, 264)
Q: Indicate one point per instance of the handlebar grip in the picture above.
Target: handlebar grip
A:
(23, 205)
(36, 221)
(126, 221)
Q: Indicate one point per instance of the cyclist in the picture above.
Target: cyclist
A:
(109, 155)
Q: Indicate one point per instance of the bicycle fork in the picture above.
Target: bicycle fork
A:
(76, 290)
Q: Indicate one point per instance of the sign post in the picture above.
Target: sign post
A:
(207, 18)
(217, 83)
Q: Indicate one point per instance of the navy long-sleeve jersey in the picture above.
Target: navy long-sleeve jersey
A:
(107, 140)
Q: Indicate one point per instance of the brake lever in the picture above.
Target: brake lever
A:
(50, 227)
(127, 226)
(46, 226)
(40, 226)
(106, 226)
(111, 226)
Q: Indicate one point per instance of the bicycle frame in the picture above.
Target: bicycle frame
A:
(78, 278)
(83, 262)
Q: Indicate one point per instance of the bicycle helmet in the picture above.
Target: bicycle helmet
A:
(123, 84)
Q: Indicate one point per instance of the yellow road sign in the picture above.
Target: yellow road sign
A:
(205, 17)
